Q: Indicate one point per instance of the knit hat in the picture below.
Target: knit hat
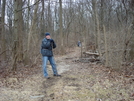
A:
(46, 34)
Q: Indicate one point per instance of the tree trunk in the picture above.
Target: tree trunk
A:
(97, 30)
(18, 33)
(31, 43)
(102, 15)
(3, 30)
(21, 31)
(62, 51)
(49, 17)
(106, 47)
(132, 44)
(95, 23)
(42, 22)
(32, 26)
(28, 16)
(98, 35)
(15, 37)
(0, 7)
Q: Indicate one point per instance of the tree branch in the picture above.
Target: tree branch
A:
(29, 6)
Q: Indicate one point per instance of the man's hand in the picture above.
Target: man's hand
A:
(51, 40)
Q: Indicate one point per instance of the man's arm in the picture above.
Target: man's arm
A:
(54, 45)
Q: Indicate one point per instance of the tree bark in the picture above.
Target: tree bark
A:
(18, 33)
(102, 15)
(15, 43)
(21, 31)
(98, 30)
(31, 37)
(42, 21)
(49, 17)
(3, 30)
(62, 51)
(95, 23)
(28, 16)
(32, 27)
(132, 44)
(106, 46)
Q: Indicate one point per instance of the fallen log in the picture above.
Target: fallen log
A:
(89, 60)
(90, 53)
(86, 60)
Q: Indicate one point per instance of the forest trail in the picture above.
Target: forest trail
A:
(79, 82)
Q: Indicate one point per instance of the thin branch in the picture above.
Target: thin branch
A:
(4, 24)
(4, 51)
(29, 6)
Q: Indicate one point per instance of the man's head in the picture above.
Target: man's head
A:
(47, 35)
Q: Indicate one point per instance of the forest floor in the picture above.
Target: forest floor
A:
(79, 82)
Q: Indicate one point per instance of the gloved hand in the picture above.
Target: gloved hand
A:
(51, 40)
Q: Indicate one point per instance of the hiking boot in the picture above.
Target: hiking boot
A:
(57, 75)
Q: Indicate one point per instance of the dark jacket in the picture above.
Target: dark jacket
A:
(47, 46)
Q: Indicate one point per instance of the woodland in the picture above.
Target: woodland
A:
(104, 27)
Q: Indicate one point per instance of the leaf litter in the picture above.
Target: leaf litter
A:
(79, 82)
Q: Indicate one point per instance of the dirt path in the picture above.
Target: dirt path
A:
(79, 82)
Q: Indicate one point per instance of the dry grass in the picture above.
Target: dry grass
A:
(79, 82)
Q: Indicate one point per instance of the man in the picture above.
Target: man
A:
(47, 54)
(79, 44)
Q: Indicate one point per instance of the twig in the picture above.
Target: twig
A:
(4, 51)
(35, 60)
(28, 6)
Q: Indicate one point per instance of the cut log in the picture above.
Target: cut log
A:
(90, 53)
(86, 60)
(95, 55)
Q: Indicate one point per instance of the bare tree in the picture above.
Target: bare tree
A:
(42, 19)
(105, 25)
(32, 36)
(18, 33)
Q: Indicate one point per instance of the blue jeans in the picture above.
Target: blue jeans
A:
(52, 62)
